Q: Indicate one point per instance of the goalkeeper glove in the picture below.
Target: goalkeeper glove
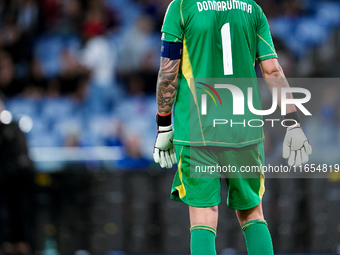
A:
(163, 151)
(296, 147)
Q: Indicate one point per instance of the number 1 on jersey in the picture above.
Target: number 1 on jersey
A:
(226, 48)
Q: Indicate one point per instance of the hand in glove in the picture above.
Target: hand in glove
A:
(296, 147)
(163, 152)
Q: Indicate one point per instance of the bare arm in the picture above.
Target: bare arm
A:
(275, 78)
(167, 84)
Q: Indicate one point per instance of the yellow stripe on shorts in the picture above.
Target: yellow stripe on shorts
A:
(181, 188)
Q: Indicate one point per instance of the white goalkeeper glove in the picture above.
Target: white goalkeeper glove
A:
(163, 152)
(296, 147)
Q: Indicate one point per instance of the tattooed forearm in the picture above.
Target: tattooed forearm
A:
(167, 84)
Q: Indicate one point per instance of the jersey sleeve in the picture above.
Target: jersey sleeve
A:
(264, 42)
(172, 29)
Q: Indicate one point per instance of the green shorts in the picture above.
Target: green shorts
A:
(196, 186)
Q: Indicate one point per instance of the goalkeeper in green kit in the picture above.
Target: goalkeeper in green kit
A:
(215, 40)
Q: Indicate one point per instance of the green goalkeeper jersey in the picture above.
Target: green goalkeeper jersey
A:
(221, 41)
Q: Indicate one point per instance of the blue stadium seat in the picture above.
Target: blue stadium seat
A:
(68, 126)
(45, 139)
(282, 27)
(48, 49)
(98, 101)
(328, 14)
(308, 5)
(310, 32)
(72, 42)
(57, 108)
(20, 106)
(298, 48)
(100, 125)
(40, 125)
(128, 10)
(301, 33)
(90, 138)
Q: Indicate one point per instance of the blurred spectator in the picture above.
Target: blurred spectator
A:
(162, 6)
(53, 89)
(36, 81)
(287, 8)
(155, 9)
(73, 77)
(98, 55)
(51, 11)
(72, 140)
(116, 135)
(140, 107)
(134, 55)
(329, 106)
(16, 187)
(328, 117)
(72, 15)
(9, 84)
(104, 14)
(28, 15)
(323, 127)
(292, 8)
(142, 56)
(133, 158)
(18, 22)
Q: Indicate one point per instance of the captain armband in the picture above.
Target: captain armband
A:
(171, 50)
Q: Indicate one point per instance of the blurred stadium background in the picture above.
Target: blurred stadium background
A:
(79, 78)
